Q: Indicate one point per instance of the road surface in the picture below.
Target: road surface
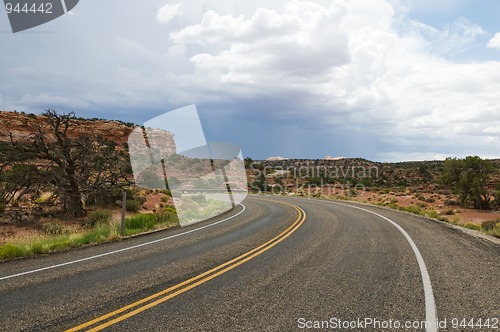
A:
(273, 264)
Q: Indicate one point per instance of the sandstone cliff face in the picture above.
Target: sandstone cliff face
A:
(20, 125)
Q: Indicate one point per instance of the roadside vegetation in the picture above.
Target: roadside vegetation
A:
(98, 228)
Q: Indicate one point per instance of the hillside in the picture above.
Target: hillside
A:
(423, 175)
(20, 124)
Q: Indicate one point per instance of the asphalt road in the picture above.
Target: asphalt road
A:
(280, 264)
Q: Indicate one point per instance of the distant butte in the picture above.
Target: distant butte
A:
(276, 158)
(334, 158)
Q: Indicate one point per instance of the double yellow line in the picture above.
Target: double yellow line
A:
(137, 307)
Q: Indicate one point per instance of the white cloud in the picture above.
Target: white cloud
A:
(495, 41)
(166, 13)
(351, 65)
(305, 40)
(452, 39)
(341, 71)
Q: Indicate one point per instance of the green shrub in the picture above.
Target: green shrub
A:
(165, 198)
(98, 218)
(430, 200)
(39, 248)
(167, 216)
(431, 213)
(10, 251)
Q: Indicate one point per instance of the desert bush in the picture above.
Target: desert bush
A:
(448, 212)
(468, 178)
(53, 229)
(413, 209)
(2, 208)
(98, 218)
(422, 204)
(431, 213)
(167, 215)
(166, 192)
(430, 200)
(473, 226)
(489, 225)
(133, 205)
(451, 202)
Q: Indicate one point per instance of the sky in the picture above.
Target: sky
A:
(385, 80)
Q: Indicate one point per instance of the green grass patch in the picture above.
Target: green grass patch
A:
(141, 221)
(11, 251)
(470, 225)
(97, 235)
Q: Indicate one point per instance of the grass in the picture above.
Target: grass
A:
(491, 227)
(104, 231)
(98, 218)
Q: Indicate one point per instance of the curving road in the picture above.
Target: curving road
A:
(273, 264)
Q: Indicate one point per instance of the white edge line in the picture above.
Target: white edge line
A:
(123, 249)
(64, 6)
(430, 304)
